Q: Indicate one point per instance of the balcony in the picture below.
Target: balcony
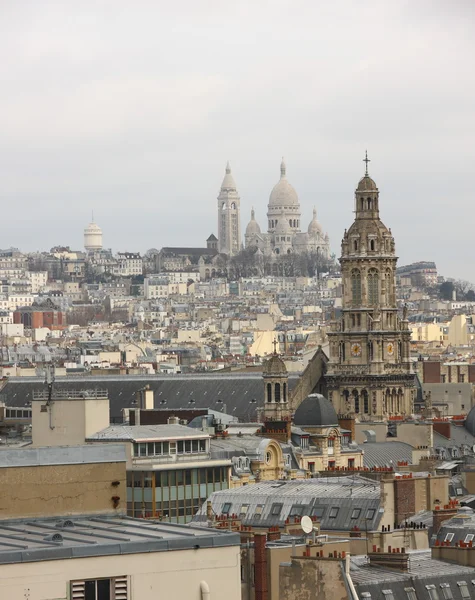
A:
(163, 459)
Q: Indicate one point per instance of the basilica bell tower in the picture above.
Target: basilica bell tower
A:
(369, 374)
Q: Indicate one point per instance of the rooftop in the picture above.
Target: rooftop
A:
(136, 433)
(50, 539)
(62, 455)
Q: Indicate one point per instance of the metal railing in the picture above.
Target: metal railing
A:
(68, 394)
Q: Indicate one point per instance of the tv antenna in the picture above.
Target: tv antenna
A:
(308, 526)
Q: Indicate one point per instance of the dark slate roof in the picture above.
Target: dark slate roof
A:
(315, 410)
(212, 238)
(236, 390)
(189, 251)
(423, 571)
(316, 497)
(470, 421)
(386, 454)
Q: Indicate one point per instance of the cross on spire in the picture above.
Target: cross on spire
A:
(275, 346)
(366, 160)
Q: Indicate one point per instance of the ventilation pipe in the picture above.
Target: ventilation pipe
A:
(204, 588)
(351, 585)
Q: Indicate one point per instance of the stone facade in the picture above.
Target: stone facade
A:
(284, 235)
(369, 373)
(229, 220)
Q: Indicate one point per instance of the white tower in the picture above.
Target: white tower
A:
(229, 221)
(93, 237)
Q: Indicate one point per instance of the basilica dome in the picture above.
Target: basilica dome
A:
(253, 226)
(283, 193)
(314, 226)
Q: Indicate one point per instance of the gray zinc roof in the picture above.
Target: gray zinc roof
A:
(386, 454)
(58, 538)
(136, 433)
(62, 455)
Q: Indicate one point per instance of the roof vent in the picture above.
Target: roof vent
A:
(63, 524)
(55, 537)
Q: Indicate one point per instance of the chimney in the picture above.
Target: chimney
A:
(397, 559)
(347, 422)
(173, 420)
(260, 566)
(441, 515)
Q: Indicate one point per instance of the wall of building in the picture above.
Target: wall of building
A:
(313, 579)
(61, 490)
(172, 574)
(71, 421)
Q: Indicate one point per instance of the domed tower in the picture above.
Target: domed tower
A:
(252, 236)
(283, 203)
(276, 389)
(92, 237)
(369, 374)
(229, 219)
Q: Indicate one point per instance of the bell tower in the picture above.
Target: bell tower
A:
(369, 374)
(229, 217)
(276, 389)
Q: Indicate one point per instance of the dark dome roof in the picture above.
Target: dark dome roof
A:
(317, 411)
(274, 366)
(366, 184)
(470, 421)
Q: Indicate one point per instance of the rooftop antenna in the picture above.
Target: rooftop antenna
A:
(308, 526)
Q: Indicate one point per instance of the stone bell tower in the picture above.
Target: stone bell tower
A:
(369, 374)
(276, 389)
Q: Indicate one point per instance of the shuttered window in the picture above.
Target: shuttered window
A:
(115, 588)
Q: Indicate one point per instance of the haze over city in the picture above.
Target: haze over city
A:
(132, 110)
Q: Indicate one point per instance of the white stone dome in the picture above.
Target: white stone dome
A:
(253, 226)
(228, 181)
(283, 193)
(314, 226)
(93, 237)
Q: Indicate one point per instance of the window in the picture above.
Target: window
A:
(258, 512)
(296, 510)
(464, 592)
(446, 591)
(226, 508)
(373, 286)
(356, 513)
(366, 594)
(244, 509)
(388, 595)
(100, 589)
(334, 512)
(318, 511)
(276, 508)
(449, 537)
(411, 593)
(433, 594)
(469, 537)
(370, 513)
(356, 286)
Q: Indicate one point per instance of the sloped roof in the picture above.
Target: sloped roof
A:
(386, 454)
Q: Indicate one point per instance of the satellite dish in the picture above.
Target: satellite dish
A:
(306, 524)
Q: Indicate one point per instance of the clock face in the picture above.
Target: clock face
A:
(356, 349)
(390, 349)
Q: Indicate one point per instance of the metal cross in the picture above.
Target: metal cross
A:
(366, 160)
(275, 346)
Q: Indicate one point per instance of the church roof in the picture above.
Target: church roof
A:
(366, 184)
(212, 238)
(228, 181)
(283, 193)
(314, 226)
(253, 225)
(315, 411)
(274, 366)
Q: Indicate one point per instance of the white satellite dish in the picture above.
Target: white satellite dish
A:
(306, 524)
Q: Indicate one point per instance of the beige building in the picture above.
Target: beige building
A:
(369, 372)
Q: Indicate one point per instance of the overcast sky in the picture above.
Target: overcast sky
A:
(132, 109)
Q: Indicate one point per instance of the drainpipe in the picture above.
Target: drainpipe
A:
(204, 588)
(351, 585)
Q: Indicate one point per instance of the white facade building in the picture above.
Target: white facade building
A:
(129, 264)
(284, 234)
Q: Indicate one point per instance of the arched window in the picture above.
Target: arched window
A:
(284, 391)
(223, 206)
(399, 350)
(342, 352)
(389, 288)
(288, 251)
(277, 251)
(369, 203)
(269, 392)
(356, 286)
(364, 393)
(290, 222)
(355, 245)
(233, 205)
(371, 245)
(370, 351)
(357, 401)
(277, 392)
(362, 203)
(373, 286)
